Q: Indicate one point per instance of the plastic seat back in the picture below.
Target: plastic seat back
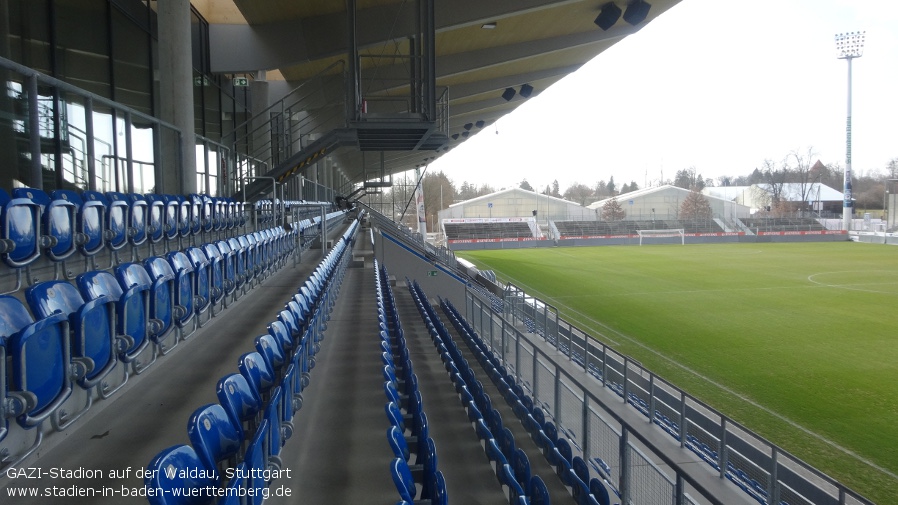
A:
(402, 478)
(272, 353)
(160, 294)
(39, 357)
(256, 460)
(202, 278)
(185, 214)
(92, 330)
(164, 292)
(131, 306)
(598, 490)
(155, 217)
(256, 372)
(196, 213)
(521, 468)
(138, 218)
(178, 467)
(171, 217)
(184, 283)
(90, 221)
(20, 230)
(239, 402)
(216, 272)
(57, 221)
(229, 265)
(117, 219)
(398, 443)
(214, 436)
(537, 491)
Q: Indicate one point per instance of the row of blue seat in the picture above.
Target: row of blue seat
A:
(511, 466)
(35, 225)
(409, 431)
(81, 341)
(242, 436)
(572, 469)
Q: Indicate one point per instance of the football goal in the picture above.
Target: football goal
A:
(649, 234)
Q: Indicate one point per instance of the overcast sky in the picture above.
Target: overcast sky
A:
(716, 85)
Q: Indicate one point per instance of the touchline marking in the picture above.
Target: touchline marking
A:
(722, 387)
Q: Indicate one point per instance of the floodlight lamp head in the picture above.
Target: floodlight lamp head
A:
(526, 90)
(850, 45)
(508, 94)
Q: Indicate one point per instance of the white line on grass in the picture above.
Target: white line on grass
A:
(851, 286)
(720, 386)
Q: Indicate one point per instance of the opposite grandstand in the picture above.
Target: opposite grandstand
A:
(782, 337)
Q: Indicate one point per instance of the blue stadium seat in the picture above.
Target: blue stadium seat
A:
(185, 281)
(178, 467)
(167, 294)
(219, 285)
(402, 478)
(196, 213)
(57, 223)
(161, 306)
(202, 282)
(155, 219)
(260, 378)
(239, 259)
(537, 491)
(242, 406)
(90, 222)
(257, 462)
(39, 357)
(117, 218)
(171, 217)
(215, 438)
(185, 216)
(235, 487)
(139, 217)
(521, 466)
(229, 269)
(599, 492)
(273, 354)
(133, 324)
(93, 335)
(20, 242)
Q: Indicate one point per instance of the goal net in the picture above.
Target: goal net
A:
(649, 234)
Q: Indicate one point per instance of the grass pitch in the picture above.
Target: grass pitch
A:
(798, 342)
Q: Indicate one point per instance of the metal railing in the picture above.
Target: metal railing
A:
(769, 474)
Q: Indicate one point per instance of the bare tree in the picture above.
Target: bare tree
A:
(580, 193)
(438, 189)
(687, 178)
(612, 211)
(804, 173)
(695, 206)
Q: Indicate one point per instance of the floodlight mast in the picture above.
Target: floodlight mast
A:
(848, 47)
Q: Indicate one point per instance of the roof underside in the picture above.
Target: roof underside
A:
(533, 42)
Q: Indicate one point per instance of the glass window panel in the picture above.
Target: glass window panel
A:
(131, 64)
(82, 51)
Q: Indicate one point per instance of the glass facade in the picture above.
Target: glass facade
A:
(107, 48)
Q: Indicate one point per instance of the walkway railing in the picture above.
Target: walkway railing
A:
(513, 326)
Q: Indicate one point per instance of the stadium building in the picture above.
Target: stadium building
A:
(197, 301)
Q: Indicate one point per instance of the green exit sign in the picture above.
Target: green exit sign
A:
(241, 82)
(432, 273)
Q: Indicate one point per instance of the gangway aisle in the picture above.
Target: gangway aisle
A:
(469, 475)
(339, 452)
(98, 460)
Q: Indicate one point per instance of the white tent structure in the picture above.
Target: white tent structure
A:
(664, 202)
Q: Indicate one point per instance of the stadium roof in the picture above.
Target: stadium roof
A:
(639, 193)
(483, 49)
(519, 192)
